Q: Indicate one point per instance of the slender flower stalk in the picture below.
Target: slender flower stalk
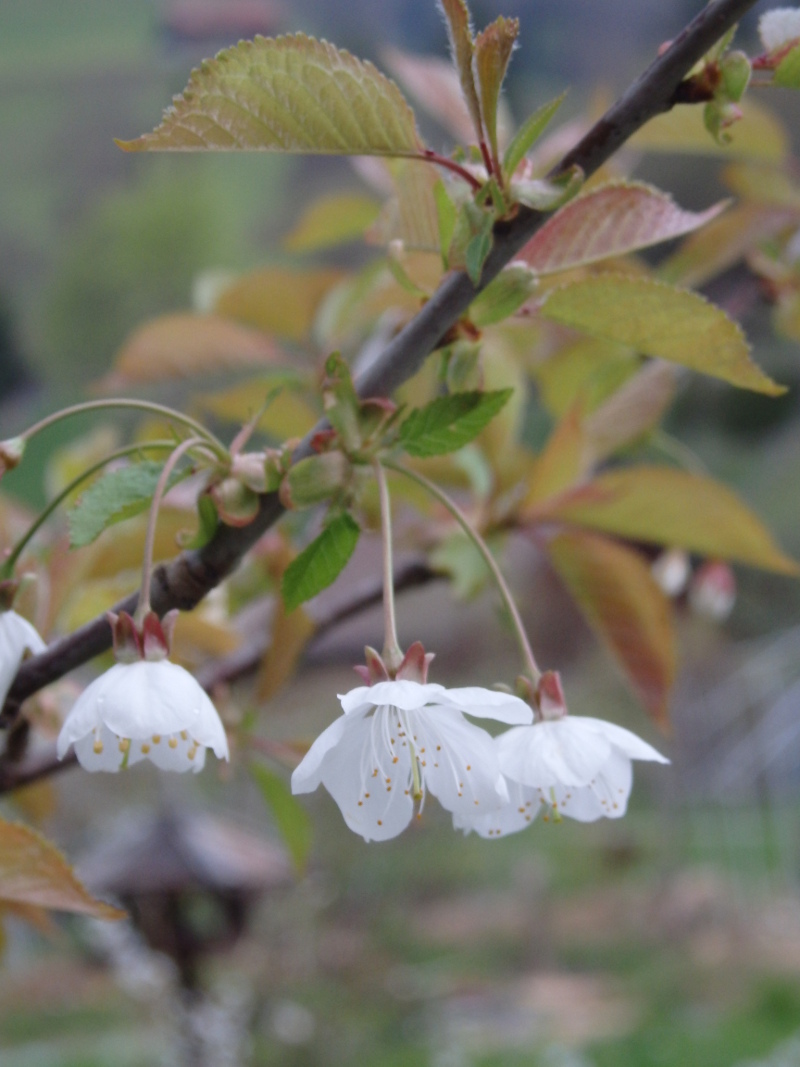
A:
(197, 428)
(143, 606)
(7, 569)
(392, 653)
(488, 558)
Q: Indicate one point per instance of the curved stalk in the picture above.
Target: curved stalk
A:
(488, 558)
(392, 653)
(140, 405)
(9, 563)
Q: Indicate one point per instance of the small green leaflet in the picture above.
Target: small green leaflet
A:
(291, 818)
(450, 422)
(115, 496)
(787, 76)
(528, 133)
(321, 562)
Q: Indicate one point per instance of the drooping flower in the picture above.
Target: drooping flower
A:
(17, 637)
(401, 738)
(144, 707)
(566, 765)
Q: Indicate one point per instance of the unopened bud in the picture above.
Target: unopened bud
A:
(11, 452)
(236, 504)
(713, 590)
(671, 571)
(552, 702)
(314, 479)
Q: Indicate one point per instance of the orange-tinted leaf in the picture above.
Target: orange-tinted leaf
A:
(332, 220)
(764, 184)
(277, 300)
(34, 872)
(616, 592)
(758, 135)
(183, 345)
(290, 635)
(633, 409)
(588, 368)
(659, 320)
(561, 463)
(287, 94)
(612, 220)
(410, 215)
(667, 506)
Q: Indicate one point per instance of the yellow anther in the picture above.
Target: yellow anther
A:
(97, 747)
(124, 744)
(173, 742)
(145, 748)
(156, 739)
(184, 735)
(192, 752)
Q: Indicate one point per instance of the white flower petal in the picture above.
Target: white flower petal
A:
(520, 811)
(778, 27)
(307, 775)
(546, 754)
(403, 694)
(489, 704)
(374, 793)
(605, 797)
(141, 702)
(458, 761)
(98, 751)
(17, 637)
(625, 740)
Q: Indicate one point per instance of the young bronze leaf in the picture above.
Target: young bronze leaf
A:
(562, 461)
(332, 220)
(612, 220)
(659, 320)
(278, 300)
(286, 94)
(623, 604)
(33, 872)
(434, 84)
(667, 506)
(493, 48)
(411, 215)
(633, 409)
(459, 30)
(321, 562)
(184, 345)
(289, 636)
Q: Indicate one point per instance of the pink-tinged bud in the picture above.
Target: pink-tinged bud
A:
(235, 503)
(157, 635)
(374, 670)
(128, 646)
(414, 666)
(550, 695)
(11, 452)
(713, 590)
(250, 469)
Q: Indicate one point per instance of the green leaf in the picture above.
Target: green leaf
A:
(611, 220)
(115, 496)
(321, 562)
(478, 249)
(450, 422)
(207, 523)
(286, 94)
(33, 872)
(528, 133)
(331, 221)
(446, 215)
(291, 818)
(503, 296)
(659, 320)
(460, 560)
(615, 590)
(493, 48)
(462, 47)
(666, 506)
(545, 194)
(787, 74)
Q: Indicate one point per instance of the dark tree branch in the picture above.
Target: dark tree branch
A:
(186, 580)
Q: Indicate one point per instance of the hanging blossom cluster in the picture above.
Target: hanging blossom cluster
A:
(402, 738)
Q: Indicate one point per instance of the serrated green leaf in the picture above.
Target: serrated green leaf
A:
(331, 221)
(493, 48)
(115, 496)
(477, 251)
(450, 422)
(321, 562)
(666, 506)
(787, 74)
(528, 133)
(286, 94)
(291, 818)
(659, 320)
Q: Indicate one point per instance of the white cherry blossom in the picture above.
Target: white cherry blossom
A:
(571, 766)
(143, 708)
(778, 27)
(398, 740)
(17, 636)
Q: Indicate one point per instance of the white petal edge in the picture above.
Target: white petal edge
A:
(403, 694)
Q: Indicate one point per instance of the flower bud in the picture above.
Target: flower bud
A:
(11, 452)
(236, 504)
(314, 479)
